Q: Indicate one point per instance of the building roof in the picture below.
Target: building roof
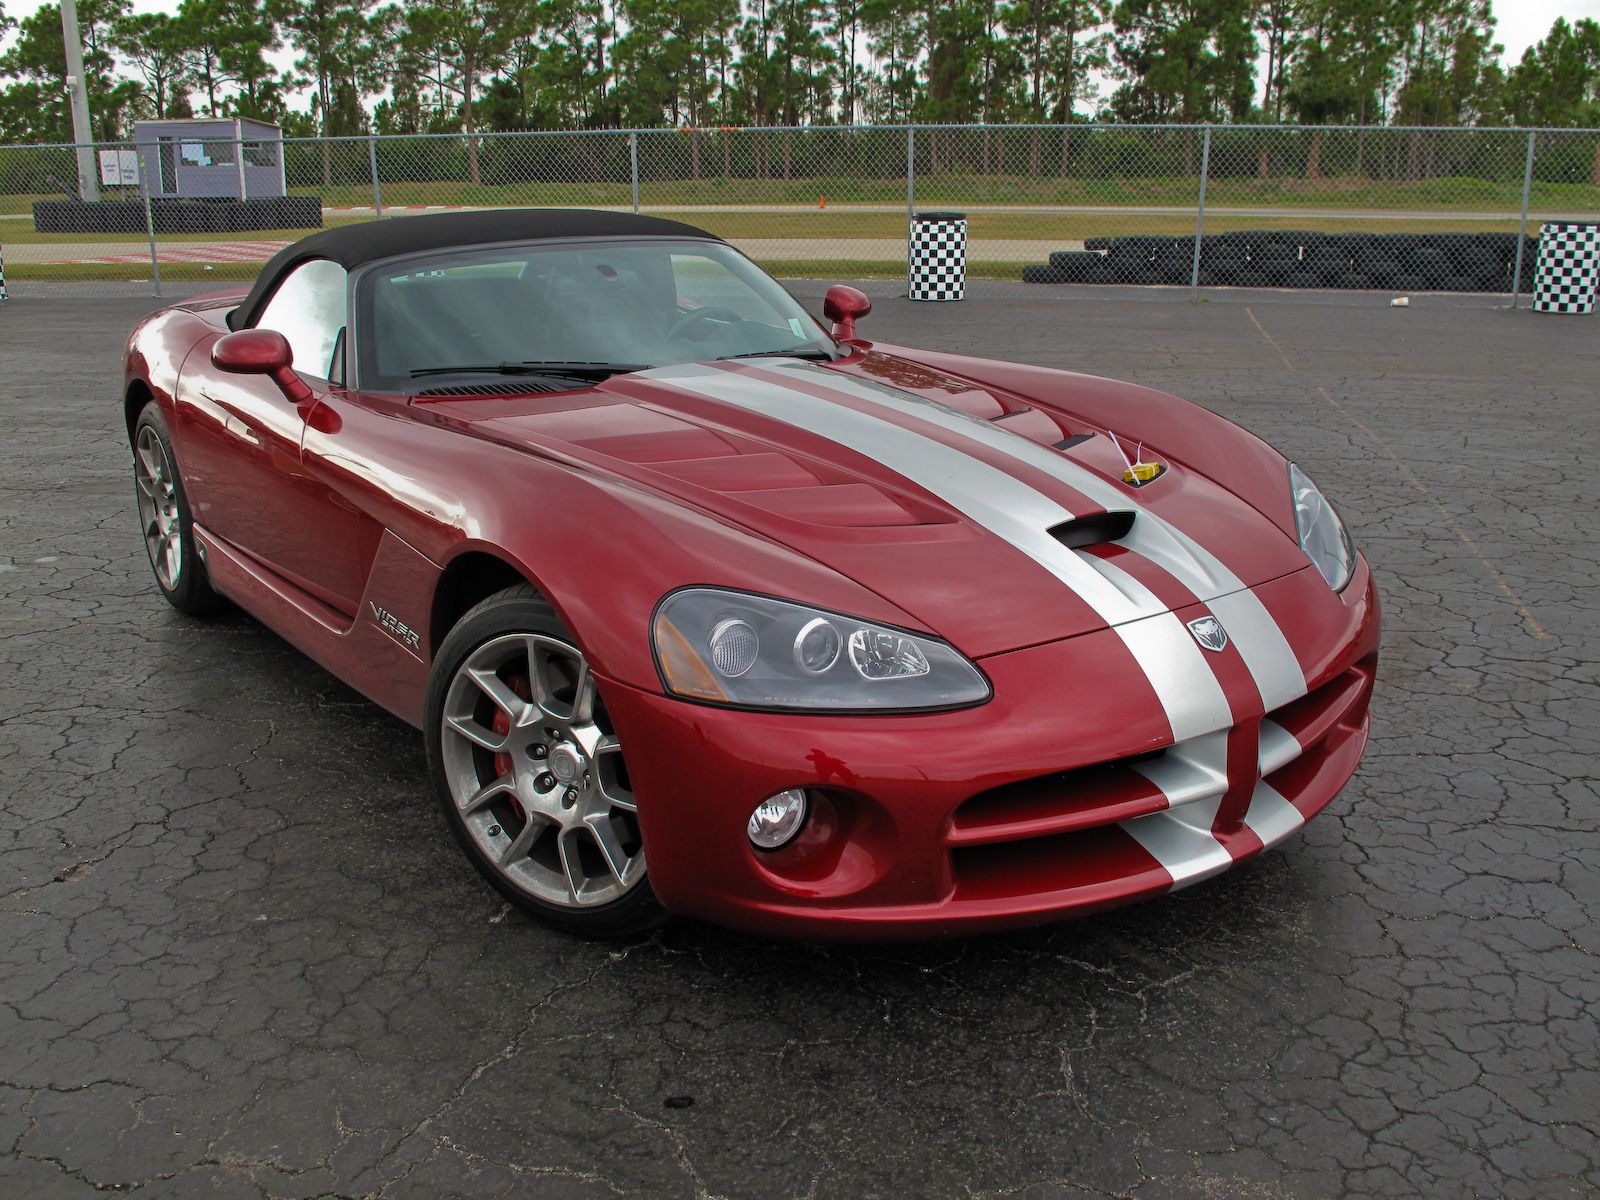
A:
(205, 121)
(352, 246)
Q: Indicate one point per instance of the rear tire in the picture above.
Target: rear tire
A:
(165, 519)
(529, 771)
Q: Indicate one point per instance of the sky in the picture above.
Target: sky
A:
(1520, 23)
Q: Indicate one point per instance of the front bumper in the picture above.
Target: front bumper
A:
(1063, 795)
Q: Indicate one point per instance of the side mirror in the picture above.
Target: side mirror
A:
(842, 306)
(261, 352)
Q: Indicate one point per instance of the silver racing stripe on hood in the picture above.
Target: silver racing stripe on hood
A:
(1166, 654)
(1260, 641)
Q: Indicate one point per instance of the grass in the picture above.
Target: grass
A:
(839, 223)
(1462, 193)
(842, 223)
(125, 272)
(783, 268)
(764, 234)
(1459, 193)
(21, 233)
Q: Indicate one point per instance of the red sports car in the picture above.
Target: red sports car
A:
(841, 639)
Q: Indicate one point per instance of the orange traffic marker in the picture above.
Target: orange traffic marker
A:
(822, 202)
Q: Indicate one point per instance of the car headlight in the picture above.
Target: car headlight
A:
(754, 652)
(1322, 534)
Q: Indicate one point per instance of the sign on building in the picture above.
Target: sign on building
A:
(119, 168)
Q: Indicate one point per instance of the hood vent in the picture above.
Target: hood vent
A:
(1093, 529)
(524, 388)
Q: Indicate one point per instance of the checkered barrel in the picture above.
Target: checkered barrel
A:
(938, 256)
(1569, 268)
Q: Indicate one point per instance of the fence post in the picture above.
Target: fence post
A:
(377, 188)
(1522, 228)
(1200, 216)
(149, 214)
(911, 176)
(238, 150)
(633, 166)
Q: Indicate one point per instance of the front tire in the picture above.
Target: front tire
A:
(165, 519)
(530, 773)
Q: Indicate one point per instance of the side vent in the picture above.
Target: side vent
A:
(1093, 529)
(1075, 439)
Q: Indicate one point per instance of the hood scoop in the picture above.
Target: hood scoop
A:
(1093, 529)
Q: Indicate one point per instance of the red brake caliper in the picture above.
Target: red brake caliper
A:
(502, 724)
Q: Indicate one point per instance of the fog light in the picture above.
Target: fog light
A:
(776, 820)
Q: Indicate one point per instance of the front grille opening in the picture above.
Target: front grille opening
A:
(1091, 867)
(1102, 794)
(1340, 702)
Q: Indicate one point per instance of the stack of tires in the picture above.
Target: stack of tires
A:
(1289, 258)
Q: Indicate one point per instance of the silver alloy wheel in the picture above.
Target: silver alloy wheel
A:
(158, 507)
(541, 787)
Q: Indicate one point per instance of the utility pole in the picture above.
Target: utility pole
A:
(88, 180)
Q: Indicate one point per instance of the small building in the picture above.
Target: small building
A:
(212, 158)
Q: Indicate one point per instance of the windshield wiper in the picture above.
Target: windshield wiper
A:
(572, 370)
(598, 370)
(818, 355)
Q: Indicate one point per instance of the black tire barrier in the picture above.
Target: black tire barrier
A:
(1327, 260)
(1383, 272)
(1070, 259)
(1292, 258)
(1175, 262)
(1294, 239)
(1079, 272)
(76, 216)
(1236, 239)
(1146, 246)
(1079, 266)
(178, 216)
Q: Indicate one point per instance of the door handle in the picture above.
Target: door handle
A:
(240, 430)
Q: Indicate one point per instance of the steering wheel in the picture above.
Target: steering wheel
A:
(689, 320)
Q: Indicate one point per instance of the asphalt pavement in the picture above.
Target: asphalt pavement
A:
(240, 957)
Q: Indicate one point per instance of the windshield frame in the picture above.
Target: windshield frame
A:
(364, 376)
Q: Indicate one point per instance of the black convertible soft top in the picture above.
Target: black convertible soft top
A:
(352, 245)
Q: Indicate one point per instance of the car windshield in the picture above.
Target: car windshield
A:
(576, 311)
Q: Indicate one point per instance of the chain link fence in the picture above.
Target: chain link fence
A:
(1176, 207)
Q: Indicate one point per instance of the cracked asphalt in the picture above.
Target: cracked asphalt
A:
(240, 957)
